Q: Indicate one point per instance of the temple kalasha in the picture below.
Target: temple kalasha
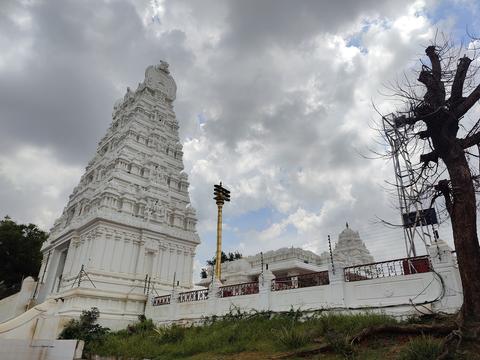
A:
(126, 240)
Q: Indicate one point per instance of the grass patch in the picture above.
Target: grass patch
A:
(293, 336)
(422, 348)
(261, 333)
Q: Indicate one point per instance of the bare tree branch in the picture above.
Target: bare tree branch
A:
(457, 86)
(468, 103)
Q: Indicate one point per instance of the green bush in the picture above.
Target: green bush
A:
(143, 325)
(422, 348)
(85, 329)
(170, 335)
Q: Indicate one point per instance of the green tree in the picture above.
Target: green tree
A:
(225, 257)
(20, 254)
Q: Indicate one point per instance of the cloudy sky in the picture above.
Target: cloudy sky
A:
(274, 99)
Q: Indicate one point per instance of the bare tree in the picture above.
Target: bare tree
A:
(437, 121)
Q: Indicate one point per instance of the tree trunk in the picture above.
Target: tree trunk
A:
(463, 214)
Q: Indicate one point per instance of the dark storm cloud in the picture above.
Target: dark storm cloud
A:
(259, 24)
(81, 52)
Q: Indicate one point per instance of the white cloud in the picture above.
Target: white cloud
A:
(39, 177)
(284, 93)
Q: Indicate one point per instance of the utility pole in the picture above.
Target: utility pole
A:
(221, 195)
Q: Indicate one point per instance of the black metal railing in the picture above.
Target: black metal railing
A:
(239, 289)
(397, 267)
(195, 295)
(161, 300)
(301, 281)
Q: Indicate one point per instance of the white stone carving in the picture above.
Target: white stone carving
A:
(350, 249)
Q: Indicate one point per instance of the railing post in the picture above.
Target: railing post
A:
(265, 290)
(337, 285)
(213, 297)
(174, 304)
(444, 264)
(214, 289)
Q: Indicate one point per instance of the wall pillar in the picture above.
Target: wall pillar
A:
(69, 261)
(337, 286)
(107, 254)
(163, 270)
(126, 255)
(445, 266)
(96, 252)
(133, 256)
(156, 256)
(265, 290)
(140, 258)
(116, 253)
(190, 278)
(213, 297)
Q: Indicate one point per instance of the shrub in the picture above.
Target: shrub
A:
(340, 344)
(292, 336)
(144, 325)
(85, 329)
(421, 348)
(172, 334)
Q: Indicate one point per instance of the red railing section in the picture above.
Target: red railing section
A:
(195, 295)
(239, 289)
(301, 281)
(161, 300)
(397, 267)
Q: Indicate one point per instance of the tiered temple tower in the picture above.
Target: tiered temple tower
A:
(130, 215)
(350, 249)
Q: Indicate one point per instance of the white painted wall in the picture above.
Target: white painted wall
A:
(16, 304)
(397, 295)
(7, 307)
(40, 350)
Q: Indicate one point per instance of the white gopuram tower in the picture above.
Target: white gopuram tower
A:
(350, 249)
(128, 224)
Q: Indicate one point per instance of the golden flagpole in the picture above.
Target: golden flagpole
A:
(218, 262)
(221, 195)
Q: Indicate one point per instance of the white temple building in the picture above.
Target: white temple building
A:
(349, 250)
(129, 220)
(125, 243)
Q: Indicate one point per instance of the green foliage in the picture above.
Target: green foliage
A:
(350, 324)
(143, 326)
(259, 332)
(171, 335)
(19, 254)
(422, 348)
(86, 328)
(226, 257)
(340, 344)
(292, 337)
